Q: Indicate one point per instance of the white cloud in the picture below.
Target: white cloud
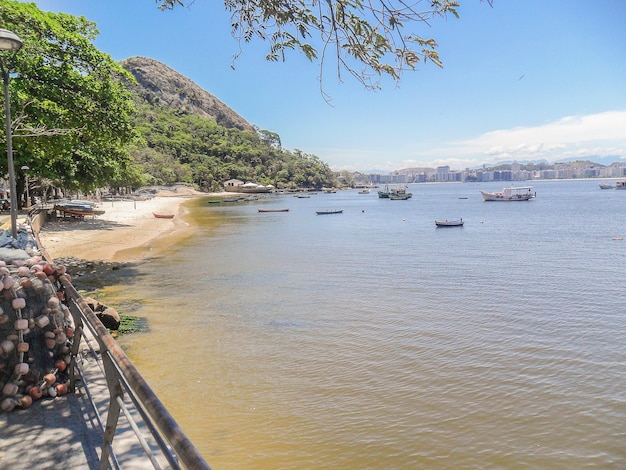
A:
(600, 134)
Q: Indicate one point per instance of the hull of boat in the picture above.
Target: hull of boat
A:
(506, 197)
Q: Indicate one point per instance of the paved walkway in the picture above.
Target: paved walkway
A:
(65, 432)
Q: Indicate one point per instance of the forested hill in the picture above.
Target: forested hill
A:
(188, 135)
(159, 84)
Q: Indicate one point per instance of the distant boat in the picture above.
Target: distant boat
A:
(274, 209)
(334, 211)
(620, 184)
(364, 191)
(449, 223)
(606, 186)
(395, 193)
(520, 193)
(163, 216)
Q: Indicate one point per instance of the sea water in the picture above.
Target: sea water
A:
(371, 339)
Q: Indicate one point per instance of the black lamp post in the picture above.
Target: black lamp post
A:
(9, 41)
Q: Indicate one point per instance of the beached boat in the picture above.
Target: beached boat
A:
(606, 186)
(274, 209)
(512, 193)
(449, 223)
(77, 209)
(163, 216)
(333, 211)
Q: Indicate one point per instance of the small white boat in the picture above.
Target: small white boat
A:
(449, 223)
(274, 209)
(520, 193)
(620, 184)
(606, 186)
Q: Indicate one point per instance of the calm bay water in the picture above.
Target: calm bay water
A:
(373, 340)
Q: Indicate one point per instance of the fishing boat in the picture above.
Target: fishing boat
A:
(400, 197)
(163, 216)
(449, 223)
(364, 191)
(333, 211)
(606, 186)
(512, 193)
(274, 209)
(620, 184)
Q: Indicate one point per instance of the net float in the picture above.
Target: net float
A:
(61, 338)
(61, 269)
(8, 404)
(21, 324)
(8, 282)
(42, 321)
(50, 343)
(3, 318)
(7, 346)
(18, 303)
(21, 368)
(9, 389)
(49, 269)
(69, 331)
(26, 283)
(49, 379)
(52, 392)
(35, 393)
(25, 402)
(61, 389)
(54, 302)
(60, 365)
(23, 271)
(23, 346)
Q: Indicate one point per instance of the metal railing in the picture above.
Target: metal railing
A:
(122, 380)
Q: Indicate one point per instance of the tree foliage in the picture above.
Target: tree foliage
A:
(369, 39)
(72, 115)
(179, 147)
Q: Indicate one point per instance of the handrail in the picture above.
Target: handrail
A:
(122, 376)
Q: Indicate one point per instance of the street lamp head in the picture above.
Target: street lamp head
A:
(25, 168)
(9, 41)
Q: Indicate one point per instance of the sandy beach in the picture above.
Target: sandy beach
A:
(126, 232)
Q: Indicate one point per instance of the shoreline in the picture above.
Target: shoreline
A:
(126, 232)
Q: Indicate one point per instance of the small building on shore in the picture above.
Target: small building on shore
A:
(238, 186)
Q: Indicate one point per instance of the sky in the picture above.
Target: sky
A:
(524, 80)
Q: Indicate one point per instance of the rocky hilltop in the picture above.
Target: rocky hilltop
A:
(159, 84)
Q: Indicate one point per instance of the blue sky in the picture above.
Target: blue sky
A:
(524, 80)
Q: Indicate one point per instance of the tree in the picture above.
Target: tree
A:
(73, 116)
(369, 39)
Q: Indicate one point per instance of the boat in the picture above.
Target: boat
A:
(364, 191)
(620, 184)
(449, 223)
(274, 209)
(333, 211)
(606, 186)
(400, 197)
(77, 209)
(512, 193)
(163, 216)
(395, 193)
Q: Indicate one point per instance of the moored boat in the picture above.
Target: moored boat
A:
(333, 211)
(274, 209)
(512, 193)
(606, 186)
(620, 184)
(449, 223)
